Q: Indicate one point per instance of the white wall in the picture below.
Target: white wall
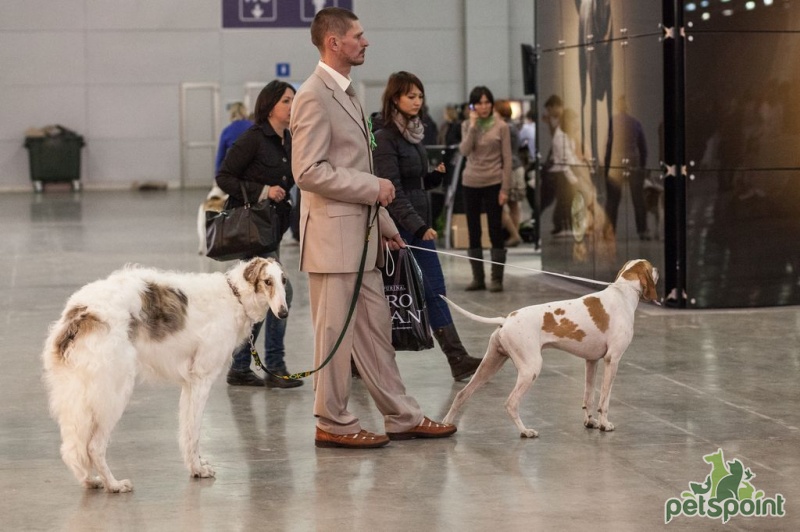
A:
(111, 69)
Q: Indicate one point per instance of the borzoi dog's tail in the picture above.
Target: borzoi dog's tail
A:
(500, 320)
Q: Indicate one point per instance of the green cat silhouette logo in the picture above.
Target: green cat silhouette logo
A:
(726, 492)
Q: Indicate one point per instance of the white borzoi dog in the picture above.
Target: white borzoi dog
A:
(139, 321)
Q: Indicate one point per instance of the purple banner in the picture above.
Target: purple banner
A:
(274, 13)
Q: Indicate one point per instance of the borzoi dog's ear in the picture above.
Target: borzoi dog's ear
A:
(253, 272)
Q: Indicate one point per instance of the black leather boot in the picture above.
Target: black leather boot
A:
(462, 366)
(496, 282)
(478, 277)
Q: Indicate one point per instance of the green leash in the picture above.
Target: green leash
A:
(303, 374)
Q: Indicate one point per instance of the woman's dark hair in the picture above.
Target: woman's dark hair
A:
(399, 83)
(478, 92)
(268, 98)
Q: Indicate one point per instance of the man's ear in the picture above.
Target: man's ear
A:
(333, 42)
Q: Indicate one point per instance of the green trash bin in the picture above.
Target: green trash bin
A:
(55, 157)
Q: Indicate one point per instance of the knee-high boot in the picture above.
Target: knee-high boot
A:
(462, 366)
(478, 279)
(498, 256)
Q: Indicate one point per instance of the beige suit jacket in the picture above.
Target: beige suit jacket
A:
(332, 165)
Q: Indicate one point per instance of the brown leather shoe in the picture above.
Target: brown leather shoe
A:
(426, 429)
(358, 440)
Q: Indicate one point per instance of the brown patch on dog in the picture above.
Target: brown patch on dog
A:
(163, 312)
(560, 312)
(642, 271)
(215, 204)
(563, 328)
(598, 312)
(78, 321)
(253, 271)
(512, 314)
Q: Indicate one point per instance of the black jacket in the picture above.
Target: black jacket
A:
(258, 158)
(406, 165)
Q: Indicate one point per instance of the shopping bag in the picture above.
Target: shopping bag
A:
(405, 294)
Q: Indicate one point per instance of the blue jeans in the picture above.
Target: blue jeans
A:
(273, 336)
(432, 280)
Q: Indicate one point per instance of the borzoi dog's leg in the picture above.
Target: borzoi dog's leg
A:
(609, 373)
(193, 401)
(492, 361)
(97, 451)
(201, 230)
(108, 398)
(76, 429)
(588, 396)
(90, 375)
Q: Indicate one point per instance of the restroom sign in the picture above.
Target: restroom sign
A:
(275, 13)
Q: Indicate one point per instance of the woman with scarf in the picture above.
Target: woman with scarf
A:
(486, 180)
(401, 157)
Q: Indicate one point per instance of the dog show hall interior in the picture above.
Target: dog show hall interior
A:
(684, 124)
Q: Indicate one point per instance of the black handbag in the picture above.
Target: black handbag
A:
(405, 294)
(243, 232)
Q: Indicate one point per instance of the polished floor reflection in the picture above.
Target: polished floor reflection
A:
(690, 383)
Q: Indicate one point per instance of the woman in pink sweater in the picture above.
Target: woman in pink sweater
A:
(486, 143)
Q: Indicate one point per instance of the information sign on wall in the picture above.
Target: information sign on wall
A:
(275, 13)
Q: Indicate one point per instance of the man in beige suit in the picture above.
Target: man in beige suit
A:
(332, 164)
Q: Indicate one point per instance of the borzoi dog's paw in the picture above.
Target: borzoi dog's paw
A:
(529, 433)
(120, 486)
(204, 471)
(93, 483)
(591, 423)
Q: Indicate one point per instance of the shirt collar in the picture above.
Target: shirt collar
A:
(340, 80)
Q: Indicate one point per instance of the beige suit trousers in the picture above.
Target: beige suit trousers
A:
(368, 339)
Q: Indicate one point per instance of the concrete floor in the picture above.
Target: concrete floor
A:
(690, 383)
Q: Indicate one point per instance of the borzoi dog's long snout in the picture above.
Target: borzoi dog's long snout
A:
(178, 326)
(277, 296)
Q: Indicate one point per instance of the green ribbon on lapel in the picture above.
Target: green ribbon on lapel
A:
(372, 143)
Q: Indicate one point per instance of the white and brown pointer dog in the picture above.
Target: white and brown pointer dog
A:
(181, 327)
(593, 327)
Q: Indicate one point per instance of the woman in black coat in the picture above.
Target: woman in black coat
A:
(401, 157)
(260, 161)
